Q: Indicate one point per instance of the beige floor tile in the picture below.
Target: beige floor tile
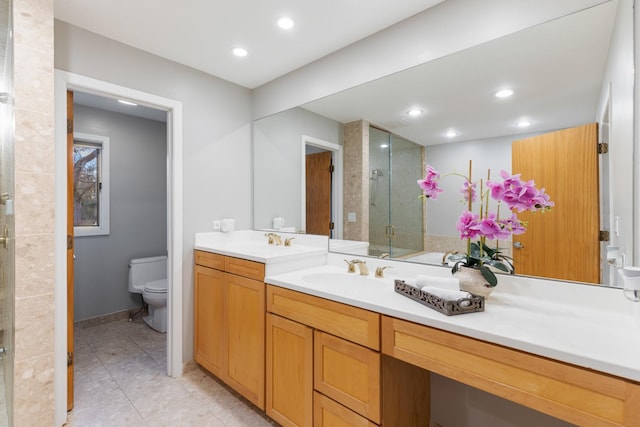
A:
(121, 381)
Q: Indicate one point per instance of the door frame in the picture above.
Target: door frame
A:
(336, 182)
(69, 81)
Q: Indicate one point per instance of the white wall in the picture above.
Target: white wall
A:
(138, 206)
(493, 154)
(277, 166)
(216, 134)
(446, 28)
(618, 82)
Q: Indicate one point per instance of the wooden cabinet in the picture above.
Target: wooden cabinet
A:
(324, 367)
(289, 372)
(328, 413)
(322, 345)
(348, 373)
(328, 364)
(209, 324)
(229, 322)
(580, 396)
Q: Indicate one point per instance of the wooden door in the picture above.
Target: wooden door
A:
(289, 372)
(209, 323)
(245, 337)
(563, 243)
(318, 193)
(70, 252)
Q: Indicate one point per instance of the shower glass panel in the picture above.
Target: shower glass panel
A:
(6, 214)
(396, 214)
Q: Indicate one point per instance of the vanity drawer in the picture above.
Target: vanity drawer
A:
(327, 413)
(351, 323)
(571, 393)
(348, 373)
(245, 268)
(210, 260)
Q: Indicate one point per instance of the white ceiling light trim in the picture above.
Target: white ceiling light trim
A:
(240, 52)
(285, 23)
(504, 93)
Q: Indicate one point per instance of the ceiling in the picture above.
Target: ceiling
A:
(556, 70)
(202, 33)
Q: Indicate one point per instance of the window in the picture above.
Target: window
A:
(90, 185)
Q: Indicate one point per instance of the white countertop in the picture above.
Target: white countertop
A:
(305, 250)
(588, 326)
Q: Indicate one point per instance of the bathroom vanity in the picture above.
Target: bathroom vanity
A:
(331, 348)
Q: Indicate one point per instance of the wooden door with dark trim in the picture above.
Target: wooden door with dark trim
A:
(319, 170)
(70, 252)
(563, 243)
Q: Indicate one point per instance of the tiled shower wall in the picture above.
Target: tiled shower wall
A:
(356, 180)
(34, 213)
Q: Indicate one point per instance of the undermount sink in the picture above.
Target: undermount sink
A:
(343, 280)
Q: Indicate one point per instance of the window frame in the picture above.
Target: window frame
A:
(103, 142)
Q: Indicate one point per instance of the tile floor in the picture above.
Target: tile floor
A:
(121, 381)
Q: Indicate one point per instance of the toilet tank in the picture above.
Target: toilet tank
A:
(143, 270)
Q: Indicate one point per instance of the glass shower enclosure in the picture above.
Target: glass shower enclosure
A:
(396, 213)
(6, 214)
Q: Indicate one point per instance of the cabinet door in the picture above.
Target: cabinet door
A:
(327, 413)
(348, 373)
(245, 337)
(209, 320)
(289, 372)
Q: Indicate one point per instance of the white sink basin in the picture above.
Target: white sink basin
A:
(342, 279)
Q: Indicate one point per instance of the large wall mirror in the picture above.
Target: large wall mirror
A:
(566, 73)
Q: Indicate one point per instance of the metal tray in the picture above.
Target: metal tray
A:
(450, 308)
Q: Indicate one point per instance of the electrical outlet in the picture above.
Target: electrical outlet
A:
(351, 217)
(217, 225)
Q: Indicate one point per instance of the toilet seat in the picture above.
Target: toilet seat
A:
(156, 287)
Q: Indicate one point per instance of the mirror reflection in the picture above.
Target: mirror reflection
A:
(563, 74)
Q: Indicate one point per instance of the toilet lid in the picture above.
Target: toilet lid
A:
(156, 286)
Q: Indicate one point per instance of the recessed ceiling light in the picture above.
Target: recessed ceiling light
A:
(523, 123)
(240, 52)
(504, 93)
(122, 101)
(384, 145)
(451, 133)
(415, 112)
(285, 23)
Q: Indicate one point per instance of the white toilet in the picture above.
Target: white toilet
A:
(148, 276)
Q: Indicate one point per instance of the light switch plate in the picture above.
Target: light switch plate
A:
(351, 217)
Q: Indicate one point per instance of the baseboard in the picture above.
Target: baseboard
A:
(98, 320)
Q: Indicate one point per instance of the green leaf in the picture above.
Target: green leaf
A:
(488, 275)
(499, 265)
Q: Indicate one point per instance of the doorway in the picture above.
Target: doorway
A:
(68, 81)
(119, 206)
(312, 146)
